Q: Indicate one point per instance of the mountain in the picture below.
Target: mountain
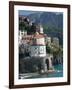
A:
(48, 18)
(52, 23)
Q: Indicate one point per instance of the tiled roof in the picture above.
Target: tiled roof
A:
(38, 35)
(38, 44)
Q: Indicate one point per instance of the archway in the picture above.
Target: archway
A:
(47, 63)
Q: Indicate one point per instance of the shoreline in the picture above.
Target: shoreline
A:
(28, 75)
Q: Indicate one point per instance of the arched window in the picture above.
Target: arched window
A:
(47, 63)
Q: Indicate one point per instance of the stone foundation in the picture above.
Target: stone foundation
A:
(35, 64)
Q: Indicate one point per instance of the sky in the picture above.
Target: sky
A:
(24, 12)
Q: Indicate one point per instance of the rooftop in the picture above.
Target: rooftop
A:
(37, 35)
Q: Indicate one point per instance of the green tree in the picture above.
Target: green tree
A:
(53, 49)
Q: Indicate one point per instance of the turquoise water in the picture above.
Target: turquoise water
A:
(58, 67)
(58, 73)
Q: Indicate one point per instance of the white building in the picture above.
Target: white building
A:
(20, 35)
(38, 47)
(48, 40)
(41, 29)
(56, 41)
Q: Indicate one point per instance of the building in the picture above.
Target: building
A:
(34, 47)
(21, 34)
(39, 28)
(27, 39)
(48, 40)
(56, 41)
(38, 47)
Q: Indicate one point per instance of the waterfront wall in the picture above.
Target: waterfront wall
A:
(35, 64)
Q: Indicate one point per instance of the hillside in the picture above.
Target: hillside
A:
(51, 22)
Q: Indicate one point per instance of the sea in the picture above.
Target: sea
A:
(58, 73)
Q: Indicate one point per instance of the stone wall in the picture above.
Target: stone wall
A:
(35, 64)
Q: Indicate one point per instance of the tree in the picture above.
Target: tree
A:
(53, 49)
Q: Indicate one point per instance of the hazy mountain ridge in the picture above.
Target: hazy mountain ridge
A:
(51, 19)
(52, 23)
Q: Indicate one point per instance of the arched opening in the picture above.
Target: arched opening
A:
(47, 63)
(52, 60)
